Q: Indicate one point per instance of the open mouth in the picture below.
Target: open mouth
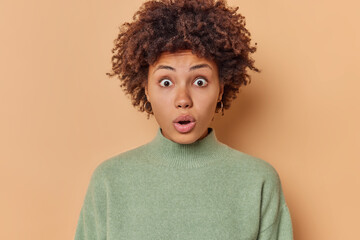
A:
(184, 122)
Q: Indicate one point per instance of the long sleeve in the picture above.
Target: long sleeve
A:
(279, 230)
(92, 220)
(275, 220)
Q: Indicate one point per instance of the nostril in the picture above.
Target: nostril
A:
(183, 105)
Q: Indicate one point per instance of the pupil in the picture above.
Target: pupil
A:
(166, 83)
(200, 83)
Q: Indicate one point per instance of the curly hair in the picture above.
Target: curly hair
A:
(209, 28)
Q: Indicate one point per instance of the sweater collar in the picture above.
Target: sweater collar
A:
(166, 152)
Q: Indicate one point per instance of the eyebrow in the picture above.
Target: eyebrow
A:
(165, 67)
(204, 65)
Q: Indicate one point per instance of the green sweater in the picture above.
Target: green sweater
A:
(165, 190)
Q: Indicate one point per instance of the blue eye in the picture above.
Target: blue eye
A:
(165, 83)
(201, 82)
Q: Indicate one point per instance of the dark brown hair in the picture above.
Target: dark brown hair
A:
(209, 28)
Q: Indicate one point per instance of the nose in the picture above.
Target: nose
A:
(183, 98)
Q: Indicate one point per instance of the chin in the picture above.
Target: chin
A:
(182, 138)
(185, 138)
(182, 141)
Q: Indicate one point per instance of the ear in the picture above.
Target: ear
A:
(146, 92)
(221, 92)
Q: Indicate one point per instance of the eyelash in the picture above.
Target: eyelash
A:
(198, 78)
(202, 78)
(165, 79)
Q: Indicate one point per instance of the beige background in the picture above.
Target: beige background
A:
(61, 116)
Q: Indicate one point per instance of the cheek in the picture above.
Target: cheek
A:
(158, 100)
(160, 104)
(206, 102)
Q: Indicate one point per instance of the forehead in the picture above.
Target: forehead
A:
(181, 59)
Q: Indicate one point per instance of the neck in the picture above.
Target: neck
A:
(202, 152)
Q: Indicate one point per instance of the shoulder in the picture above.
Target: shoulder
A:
(251, 166)
(120, 163)
(255, 173)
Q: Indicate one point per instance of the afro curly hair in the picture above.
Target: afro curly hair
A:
(209, 28)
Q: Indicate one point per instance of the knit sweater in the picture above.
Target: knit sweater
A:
(203, 190)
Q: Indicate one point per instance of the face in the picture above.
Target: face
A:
(183, 90)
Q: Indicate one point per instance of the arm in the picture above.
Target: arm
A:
(275, 223)
(92, 220)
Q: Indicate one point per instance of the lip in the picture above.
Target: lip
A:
(184, 128)
(184, 118)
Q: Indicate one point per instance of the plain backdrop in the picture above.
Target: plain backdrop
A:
(61, 115)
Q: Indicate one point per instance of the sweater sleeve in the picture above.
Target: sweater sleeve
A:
(279, 230)
(92, 220)
(275, 223)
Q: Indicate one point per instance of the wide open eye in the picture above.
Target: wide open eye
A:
(200, 82)
(165, 82)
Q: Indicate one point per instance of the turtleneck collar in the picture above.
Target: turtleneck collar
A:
(166, 152)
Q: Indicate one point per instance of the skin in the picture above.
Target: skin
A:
(183, 84)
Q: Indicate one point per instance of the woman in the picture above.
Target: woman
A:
(182, 61)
